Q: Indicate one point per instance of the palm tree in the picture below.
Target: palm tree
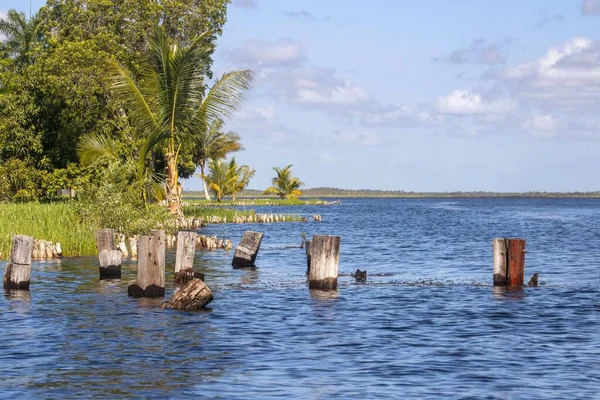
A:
(238, 177)
(227, 178)
(213, 144)
(169, 105)
(20, 33)
(284, 185)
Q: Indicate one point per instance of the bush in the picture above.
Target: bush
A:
(115, 201)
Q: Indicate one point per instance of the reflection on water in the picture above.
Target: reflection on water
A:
(427, 324)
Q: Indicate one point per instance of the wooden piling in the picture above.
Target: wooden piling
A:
(247, 250)
(186, 249)
(105, 239)
(325, 257)
(17, 272)
(509, 262)
(110, 264)
(151, 266)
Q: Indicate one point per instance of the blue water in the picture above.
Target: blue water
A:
(427, 324)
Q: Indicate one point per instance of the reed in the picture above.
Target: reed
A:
(203, 211)
(56, 222)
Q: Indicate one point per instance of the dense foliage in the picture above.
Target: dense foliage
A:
(54, 87)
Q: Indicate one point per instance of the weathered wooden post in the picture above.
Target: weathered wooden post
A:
(151, 266)
(110, 264)
(194, 295)
(110, 261)
(509, 262)
(324, 261)
(17, 272)
(307, 248)
(246, 252)
(186, 249)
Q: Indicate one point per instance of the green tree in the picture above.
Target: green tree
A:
(20, 32)
(238, 177)
(227, 178)
(53, 74)
(284, 185)
(170, 103)
(212, 143)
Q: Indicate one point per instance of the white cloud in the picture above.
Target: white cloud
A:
(543, 125)
(254, 117)
(567, 78)
(401, 116)
(342, 95)
(467, 102)
(258, 53)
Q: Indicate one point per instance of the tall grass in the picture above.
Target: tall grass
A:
(55, 222)
(202, 211)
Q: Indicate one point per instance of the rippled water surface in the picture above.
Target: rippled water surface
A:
(427, 324)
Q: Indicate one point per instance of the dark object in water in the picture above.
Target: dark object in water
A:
(360, 276)
(534, 280)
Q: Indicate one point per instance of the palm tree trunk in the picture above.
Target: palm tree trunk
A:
(204, 184)
(173, 196)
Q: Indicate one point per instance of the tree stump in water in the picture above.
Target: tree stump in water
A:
(194, 295)
(325, 257)
(151, 266)
(186, 249)
(17, 272)
(247, 250)
(110, 264)
(509, 262)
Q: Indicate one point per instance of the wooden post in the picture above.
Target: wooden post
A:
(151, 266)
(247, 250)
(325, 257)
(110, 264)
(194, 295)
(509, 262)
(186, 249)
(307, 248)
(17, 272)
(105, 241)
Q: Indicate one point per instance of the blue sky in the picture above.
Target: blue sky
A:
(426, 95)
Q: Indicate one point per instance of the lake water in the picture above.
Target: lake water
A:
(427, 324)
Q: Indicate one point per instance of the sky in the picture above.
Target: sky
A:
(425, 95)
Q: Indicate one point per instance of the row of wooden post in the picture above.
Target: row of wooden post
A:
(322, 260)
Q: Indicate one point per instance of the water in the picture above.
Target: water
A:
(427, 324)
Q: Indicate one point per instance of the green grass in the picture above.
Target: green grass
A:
(204, 211)
(55, 222)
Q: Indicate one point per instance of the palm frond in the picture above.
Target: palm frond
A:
(225, 96)
(138, 106)
(95, 147)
